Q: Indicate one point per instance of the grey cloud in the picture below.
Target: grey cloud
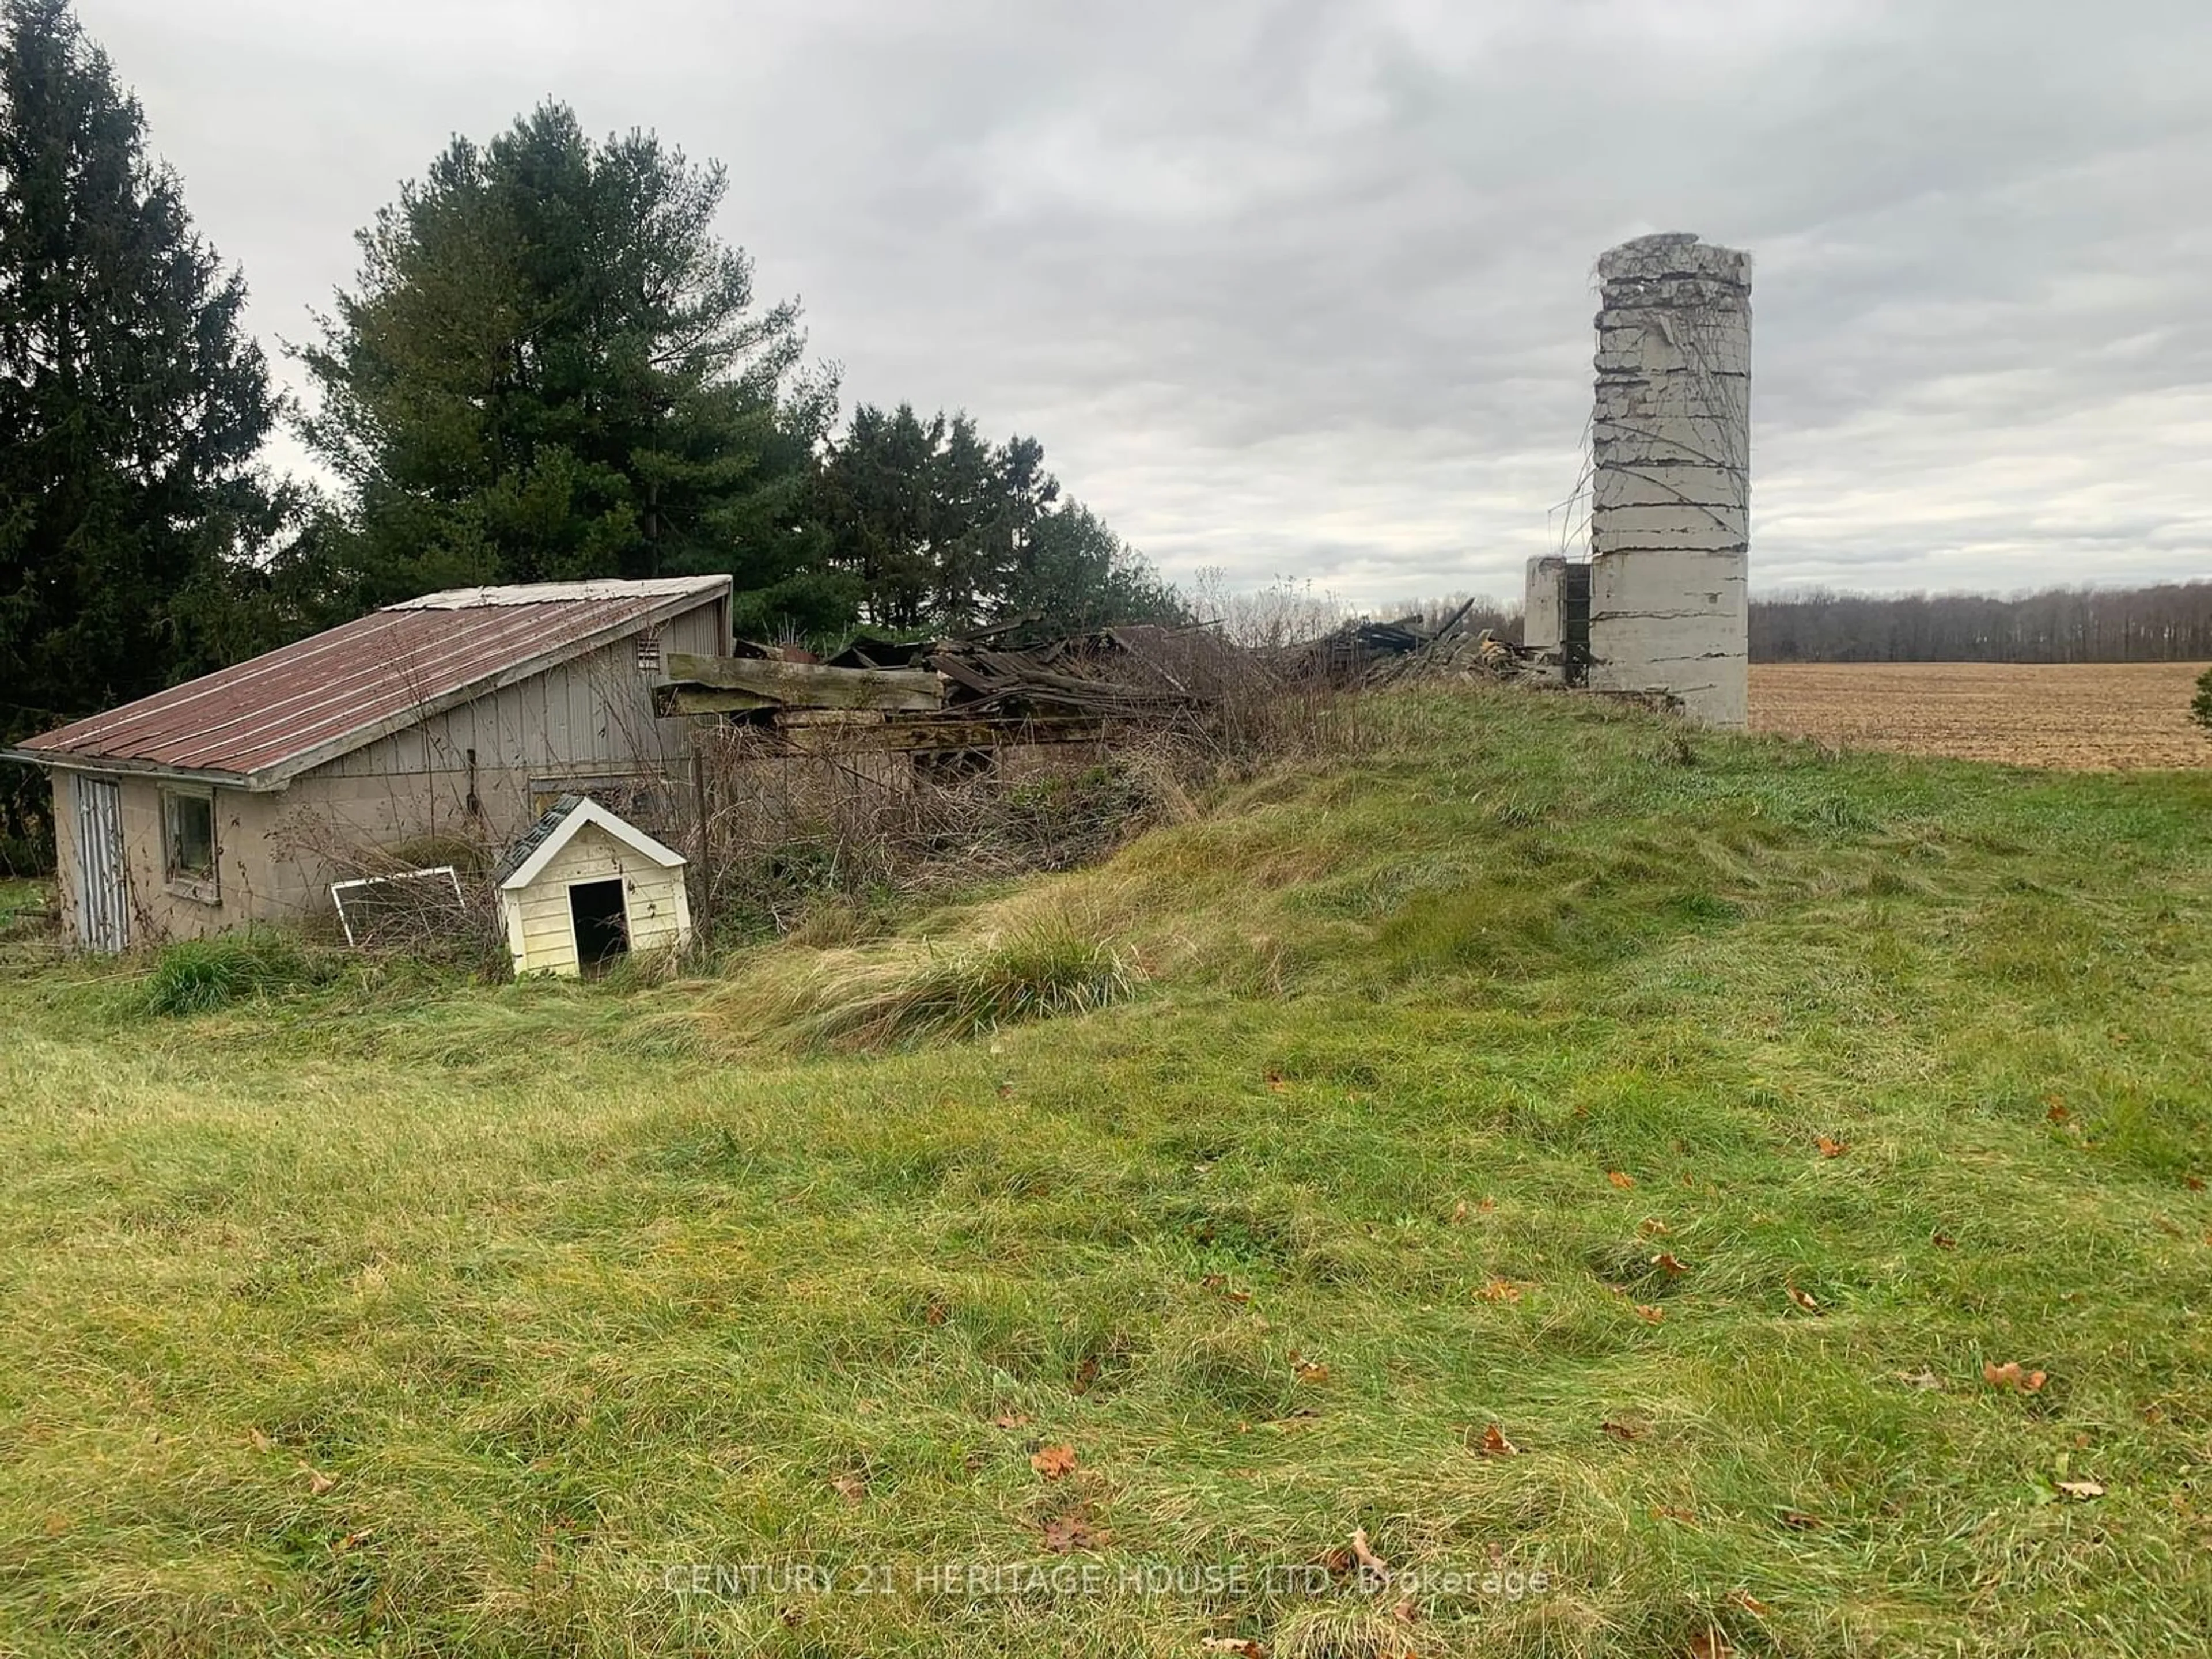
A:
(1304, 287)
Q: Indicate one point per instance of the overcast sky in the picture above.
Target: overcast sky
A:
(1305, 288)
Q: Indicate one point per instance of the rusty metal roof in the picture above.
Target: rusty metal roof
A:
(265, 721)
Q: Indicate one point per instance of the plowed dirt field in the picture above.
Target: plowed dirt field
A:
(2090, 717)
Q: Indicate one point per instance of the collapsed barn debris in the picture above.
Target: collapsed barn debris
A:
(963, 694)
(1376, 652)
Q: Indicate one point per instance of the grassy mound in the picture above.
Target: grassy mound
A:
(1667, 1194)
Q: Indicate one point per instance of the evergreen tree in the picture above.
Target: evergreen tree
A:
(877, 500)
(552, 368)
(943, 531)
(1076, 575)
(131, 404)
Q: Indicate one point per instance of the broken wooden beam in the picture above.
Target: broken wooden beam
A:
(807, 685)
(922, 736)
(671, 701)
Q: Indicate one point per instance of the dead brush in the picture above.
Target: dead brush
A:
(453, 921)
(788, 830)
(786, 835)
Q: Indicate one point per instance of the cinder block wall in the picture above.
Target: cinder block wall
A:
(1671, 482)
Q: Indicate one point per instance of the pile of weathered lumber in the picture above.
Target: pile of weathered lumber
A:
(1116, 673)
(1365, 652)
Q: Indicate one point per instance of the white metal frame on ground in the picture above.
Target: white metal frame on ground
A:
(339, 887)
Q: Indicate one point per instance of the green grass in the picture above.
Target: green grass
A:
(26, 907)
(398, 1316)
(198, 977)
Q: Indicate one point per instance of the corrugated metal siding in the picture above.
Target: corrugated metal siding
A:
(103, 885)
(290, 702)
(592, 716)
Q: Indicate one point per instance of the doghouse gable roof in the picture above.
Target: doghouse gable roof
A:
(260, 724)
(542, 843)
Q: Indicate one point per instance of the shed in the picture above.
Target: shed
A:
(583, 886)
(238, 798)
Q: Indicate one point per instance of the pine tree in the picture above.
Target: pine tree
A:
(551, 368)
(943, 531)
(132, 405)
(1076, 575)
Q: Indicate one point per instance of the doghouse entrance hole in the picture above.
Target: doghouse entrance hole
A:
(602, 929)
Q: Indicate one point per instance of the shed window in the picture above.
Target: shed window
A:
(187, 836)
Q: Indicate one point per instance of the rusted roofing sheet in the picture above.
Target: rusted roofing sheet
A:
(267, 719)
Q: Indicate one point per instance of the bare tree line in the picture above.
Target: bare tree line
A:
(2168, 621)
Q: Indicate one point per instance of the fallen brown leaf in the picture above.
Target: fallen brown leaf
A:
(1500, 1290)
(1649, 1314)
(2080, 1489)
(1621, 1178)
(1652, 1227)
(1053, 1461)
(1625, 1432)
(1364, 1552)
(1087, 1373)
(934, 1313)
(1710, 1644)
(2010, 1377)
(2195, 1183)
(317, 1482)
(1277, 1082)
(2057, 1113)
(1924, 1380)
(1803, 1300)
(1407, 1612)
(1066, 1533)
(850, 1487)
(1669, 1512)
(1830, 1148)
(1010, 1420)
(1666, 1264)
(1495, 1444)
(260, 1442)
(1242, 1646)
(1459, 1211)
(1798, 1521)
(1750, 1603)
(1943, 1240)
(1308, 1370)
(1487, 1206)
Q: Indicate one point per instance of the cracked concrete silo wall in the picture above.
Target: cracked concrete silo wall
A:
(1671, 476)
